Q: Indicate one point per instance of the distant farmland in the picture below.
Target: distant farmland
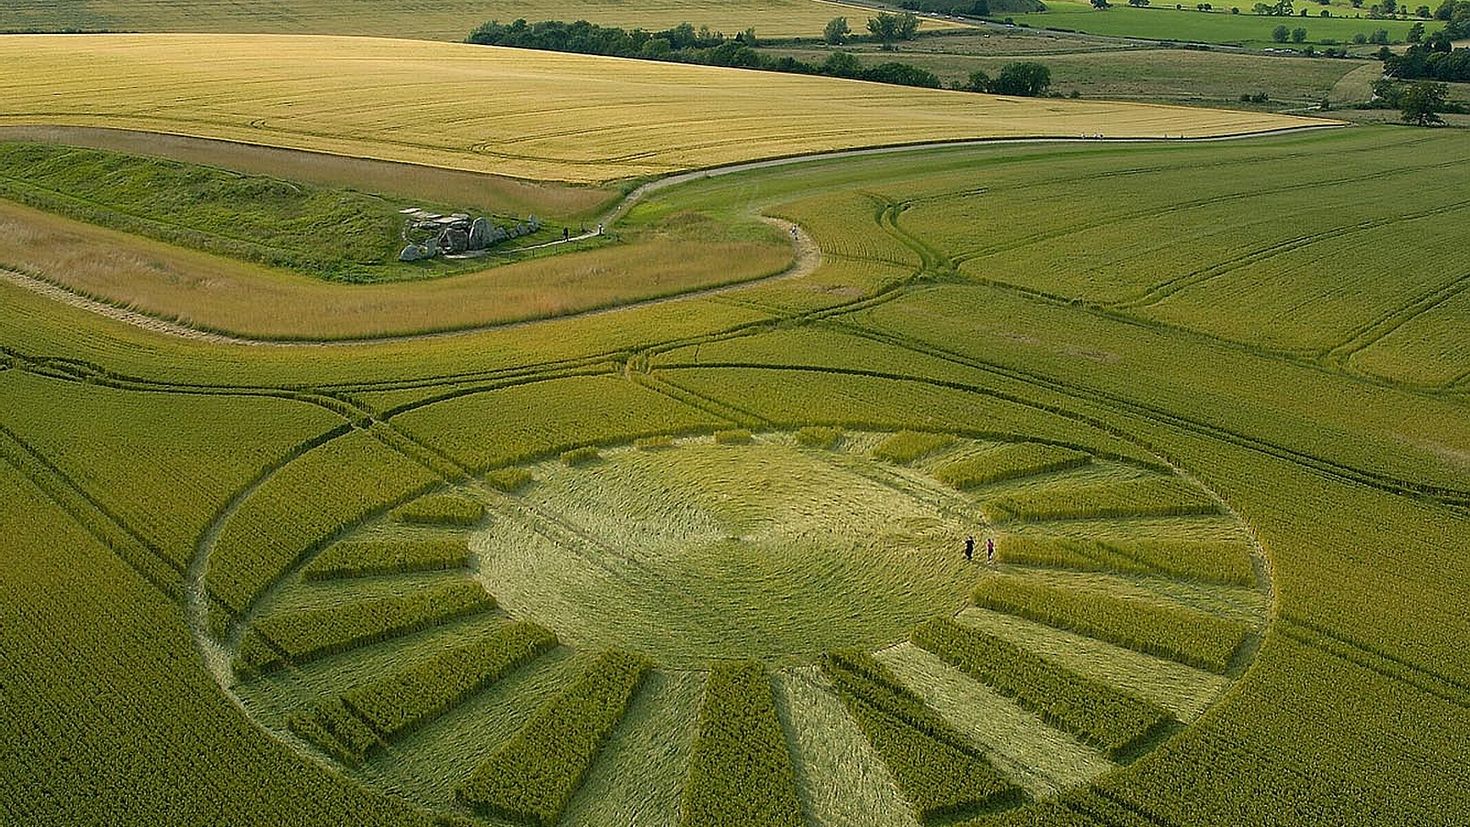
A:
(419, 19)
(512, 112)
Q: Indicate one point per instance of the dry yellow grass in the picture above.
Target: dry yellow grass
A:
(524, 114)
(424, 19)
(214, 293)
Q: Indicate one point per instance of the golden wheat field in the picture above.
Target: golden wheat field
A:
(425, 19)
(519, 113)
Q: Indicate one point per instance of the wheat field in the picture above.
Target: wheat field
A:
(425, 19)
(518, 113)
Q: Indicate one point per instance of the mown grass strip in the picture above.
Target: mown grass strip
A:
(1169, 631)
(1111, 720)
(531, 778)
(441, 509)
(1143, 497)
(1011, 462)
(939, 772)
(906, 446)
(741, 773)
(367, 558)
(306, 634)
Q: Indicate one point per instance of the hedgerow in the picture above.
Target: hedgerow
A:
(906, 446)
(361, 559)
(305, 634)
(1010, 462)
(442, 509)
(1167, 630)
(1142, 497)
(1096, 713)
(531, 778)
(939, 772)
(741, 772)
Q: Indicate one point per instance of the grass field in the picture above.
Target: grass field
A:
(1217, 26)
(703, 561)
(419, 20)
(630, 119)
(1216, 78)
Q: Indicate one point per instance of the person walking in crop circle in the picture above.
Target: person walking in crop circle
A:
(990, 550)
(969, 549)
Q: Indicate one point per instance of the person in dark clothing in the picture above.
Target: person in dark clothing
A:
(969, 549)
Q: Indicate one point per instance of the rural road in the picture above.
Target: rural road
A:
(807, 255)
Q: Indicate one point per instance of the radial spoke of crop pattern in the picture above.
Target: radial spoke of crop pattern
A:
(940, 773)
(1113, 721)
(1038, 757)
(741, 773)
(1158, 628)
(821, 544)
(296, 636)
(531, 778)
(388, 556)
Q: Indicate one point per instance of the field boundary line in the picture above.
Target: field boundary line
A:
(797, 269)
(78, 504)
(1445, 495)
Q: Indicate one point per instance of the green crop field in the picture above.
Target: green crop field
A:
(447, 20)
(1058, 483)
(1219, 25)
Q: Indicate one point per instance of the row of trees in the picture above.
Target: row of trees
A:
(685, 44)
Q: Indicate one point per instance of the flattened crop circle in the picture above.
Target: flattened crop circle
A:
(1058, 611)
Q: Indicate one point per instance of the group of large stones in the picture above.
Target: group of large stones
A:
(456, 234)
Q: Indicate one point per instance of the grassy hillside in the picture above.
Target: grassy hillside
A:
(450, 20)
(486, 109)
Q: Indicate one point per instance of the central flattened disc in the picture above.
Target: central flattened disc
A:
(702, 551)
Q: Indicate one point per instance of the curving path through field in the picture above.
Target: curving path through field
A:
(807, 254)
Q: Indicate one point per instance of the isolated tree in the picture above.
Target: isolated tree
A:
(1421, 102)
(1299, 35)
(1101, 5)
(1280, 34)
(836, 32)
(884, 28)
(1416, 33)
(908, 25)
(1026, 79)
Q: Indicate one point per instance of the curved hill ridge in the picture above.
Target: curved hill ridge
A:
(524, 114)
